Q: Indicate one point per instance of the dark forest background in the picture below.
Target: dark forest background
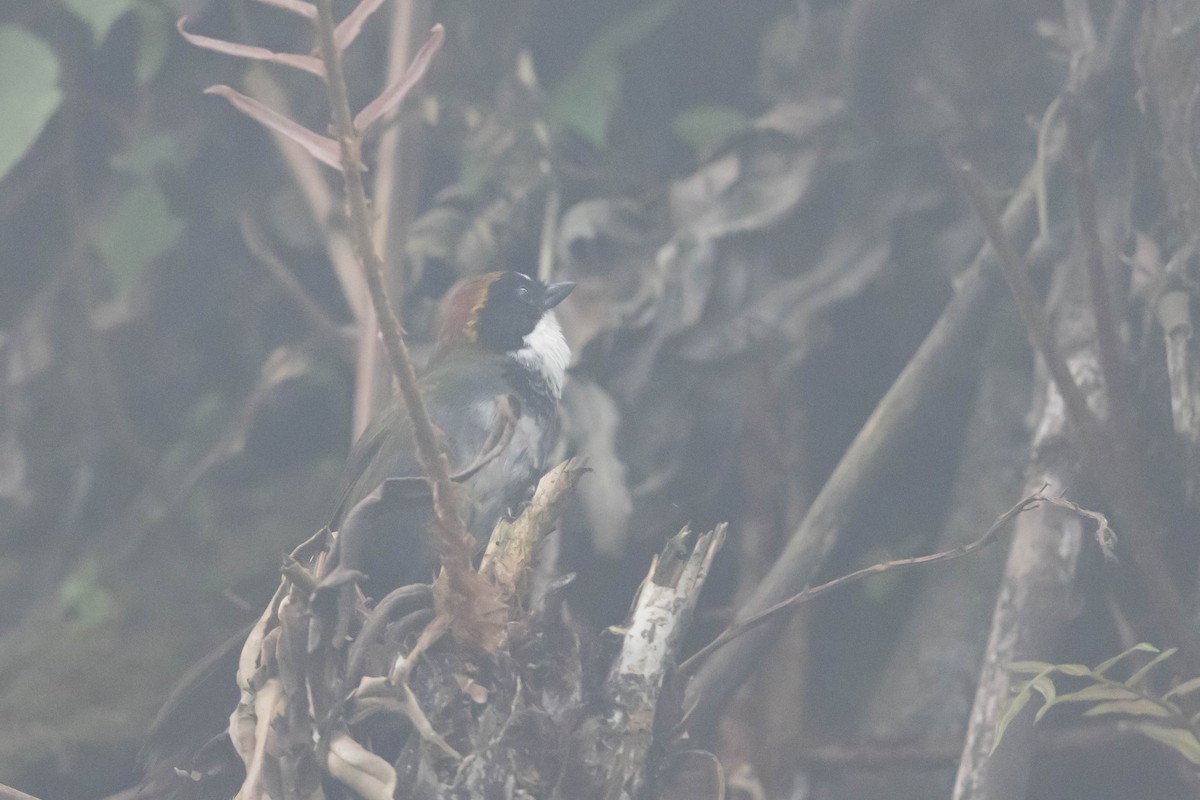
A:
(758, 201)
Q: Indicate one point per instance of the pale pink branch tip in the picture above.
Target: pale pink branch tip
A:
(348, 29)
(297, 61)
(319, 147)
(391, 97)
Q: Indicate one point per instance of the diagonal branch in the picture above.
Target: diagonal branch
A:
(1028, 306)
(467, 589)
(336, 335)
(742, 626)
(1114, 466)
(1108, 340)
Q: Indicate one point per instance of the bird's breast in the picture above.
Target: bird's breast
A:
(504, 481)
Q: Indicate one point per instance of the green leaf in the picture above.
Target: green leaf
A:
(1013, 708)
(586, 96)
(706, 128)
(1158, 659)
(145, 154)
(1141, 707)
(1185, 688)
(99, 14)
(1043, 685)
(1099, 692)
(82, 596)
(29, 93)
(137, 230)
(154, 37)
(1074, 670)
(1181, 740)
(1142, 647)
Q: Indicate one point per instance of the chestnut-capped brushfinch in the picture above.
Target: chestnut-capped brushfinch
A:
(500, 359)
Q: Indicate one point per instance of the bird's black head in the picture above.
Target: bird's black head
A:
(498, 310)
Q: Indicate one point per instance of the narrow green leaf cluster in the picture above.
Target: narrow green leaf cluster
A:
(1162, 719)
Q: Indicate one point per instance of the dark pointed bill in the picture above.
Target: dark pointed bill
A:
(556, 293)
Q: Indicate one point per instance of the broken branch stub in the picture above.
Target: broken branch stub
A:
(616, 750)
(508, 560)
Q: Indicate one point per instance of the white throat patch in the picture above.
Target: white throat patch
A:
(546, 353)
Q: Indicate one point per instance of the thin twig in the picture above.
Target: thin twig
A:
(455, 541)
(550, 214)
(1114, 466)
(375, 623)
(1028, 306)
(936, 365)
(739, 628)
(397, 178)
(9, 793)
(317, 197)
(336, 334)
(1108, 341)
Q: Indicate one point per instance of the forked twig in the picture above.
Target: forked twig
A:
(1110, 461)
(1104, 534)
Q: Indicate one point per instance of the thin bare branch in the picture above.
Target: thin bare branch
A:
(395, 191)
(1112, 464)
(1108, 340)
(349, 28)
(307, 63)
(337, 335)
(9, 793)
(550, 215)
(935, 366)
(319, 147)
(463, 598)
(391, 97)
(318, 199)
(740, 627)
(1017, 276)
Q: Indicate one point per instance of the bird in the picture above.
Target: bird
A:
(500, 358)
